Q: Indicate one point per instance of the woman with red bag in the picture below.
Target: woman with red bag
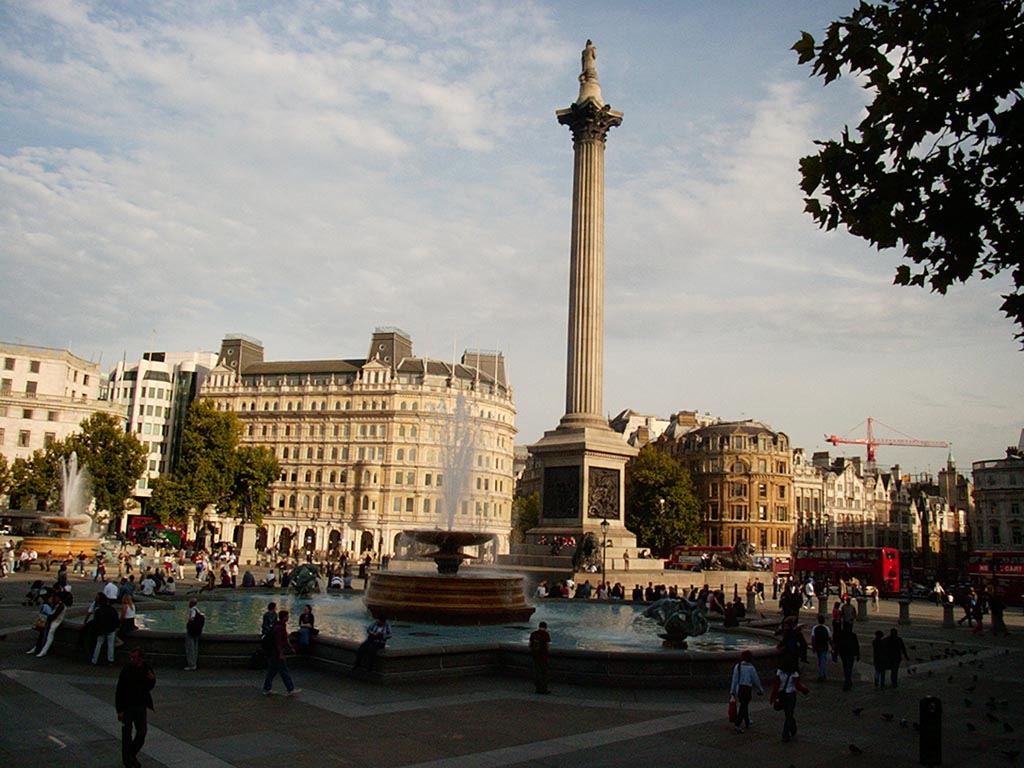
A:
(745, 681)
(787, 683)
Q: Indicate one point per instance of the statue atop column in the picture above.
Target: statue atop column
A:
(589, 87)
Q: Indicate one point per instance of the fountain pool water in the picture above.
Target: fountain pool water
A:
(573, 624)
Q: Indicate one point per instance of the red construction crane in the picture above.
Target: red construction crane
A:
(873, 441)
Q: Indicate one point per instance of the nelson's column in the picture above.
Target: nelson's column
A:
(583, 460)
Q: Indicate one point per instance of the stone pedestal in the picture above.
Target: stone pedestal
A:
(751, 602)
(823, 605)
(862, 609)
(948, 620)
(904, 612)
(246, 543)
(583, 484)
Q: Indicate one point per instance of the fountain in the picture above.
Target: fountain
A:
(450, 597)
(71, 531)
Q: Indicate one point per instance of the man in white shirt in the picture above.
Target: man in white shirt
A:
(148, 586)
(110, 590)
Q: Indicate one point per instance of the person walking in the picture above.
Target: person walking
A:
(276, 664)
(745, 681)
(133, 697)
(848, 649)
(880, 658)
(105, 628)
(377, 636)
(895, 652)
(821, 644)
(193, 631)
(787, 683)
(53, 623)
(540, 646)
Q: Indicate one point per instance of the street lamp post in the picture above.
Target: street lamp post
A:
(604, 552)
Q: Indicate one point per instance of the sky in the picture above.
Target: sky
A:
(303, 172)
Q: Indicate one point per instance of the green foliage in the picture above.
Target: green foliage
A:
(215, 470)
(650, 478)
(5, 475)
(256, 468)
(206, 469)
(115, 459)
(525, 515)
(35, 480)
(934, 166)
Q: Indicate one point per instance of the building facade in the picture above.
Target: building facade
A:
(45, 394)
(997, 521)
(155, 393)
(742, 474)
(374, 446)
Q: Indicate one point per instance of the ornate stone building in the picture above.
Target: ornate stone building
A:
(374, 446)
(45, 394)
(997, 521)
(742, 474)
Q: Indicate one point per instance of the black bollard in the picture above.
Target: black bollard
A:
(930, 716)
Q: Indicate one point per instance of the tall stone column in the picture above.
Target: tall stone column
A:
(589, 119)
(583, 460)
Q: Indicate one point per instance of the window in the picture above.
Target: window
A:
(1, 435)
(24, 438)
(762, 512)
(8, 363)
(33, 366)
(49, 438)
(30, 388)
(781, 514)
(995, 534)
(52, 416)
(762, 491)
(738, 489)
(26, 413)
(5, 386)
(782, 491)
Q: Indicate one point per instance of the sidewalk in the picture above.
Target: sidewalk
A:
(56, 712)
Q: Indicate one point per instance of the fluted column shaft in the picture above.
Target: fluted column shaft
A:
(584, 388)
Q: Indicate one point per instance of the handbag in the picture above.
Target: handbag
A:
(39, 623)
(732, 709)
(777, 705)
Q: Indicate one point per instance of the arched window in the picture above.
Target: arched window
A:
(318, 476)
(366, 503)
(309, 477)
(291, 501)
(284, 452)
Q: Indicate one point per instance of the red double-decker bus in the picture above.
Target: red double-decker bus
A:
(877, 567)
(1003, 571)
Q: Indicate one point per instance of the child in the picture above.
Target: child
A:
(745, 681)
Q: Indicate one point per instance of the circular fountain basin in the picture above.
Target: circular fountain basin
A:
(61, 546)
(448, 598)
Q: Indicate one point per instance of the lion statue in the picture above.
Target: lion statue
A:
(740, 559)
(587, 553)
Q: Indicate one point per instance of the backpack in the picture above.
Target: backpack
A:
(195, 626)
(819, 637)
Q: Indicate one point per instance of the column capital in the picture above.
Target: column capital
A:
(589, 121)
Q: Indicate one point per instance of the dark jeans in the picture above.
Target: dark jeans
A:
(366, 653)
(540, 674)
(277, 666)
(789, 708)
(133, 718)
(894, 672)
(743, 696)
(847, 672)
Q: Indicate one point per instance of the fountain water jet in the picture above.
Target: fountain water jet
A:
(65, 532)
(449, 597)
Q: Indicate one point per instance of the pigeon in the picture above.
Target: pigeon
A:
(854, 749)
(991, 718)
(1007, 727)
(887, 716)
(903, 722)
(971, 727)
(971, 689)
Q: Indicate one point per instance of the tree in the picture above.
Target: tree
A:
(115, 459)
(525, 515)
(206, 470)
(661, 508)
(5, 476)
(36, 480)
(934, 166)
(168, 500)
(256, 468)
